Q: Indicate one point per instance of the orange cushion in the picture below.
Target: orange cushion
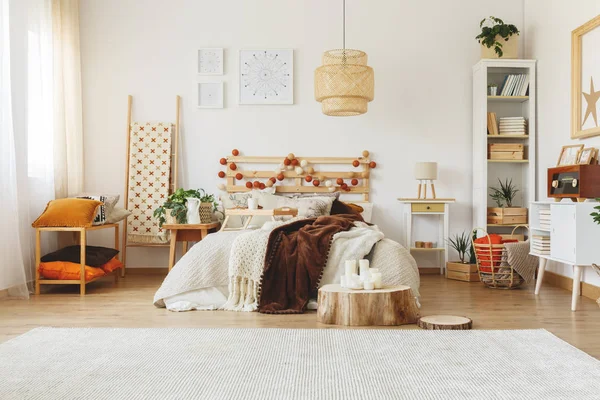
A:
(494, 238)
(64, 270)
(113, 264)
(75, 213)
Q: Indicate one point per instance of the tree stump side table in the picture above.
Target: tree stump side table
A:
(388, 306)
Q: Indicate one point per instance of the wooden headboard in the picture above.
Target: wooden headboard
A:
(262, 168)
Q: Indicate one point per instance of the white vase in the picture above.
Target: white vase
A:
(193, 210)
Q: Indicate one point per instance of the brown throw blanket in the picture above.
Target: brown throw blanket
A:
(295, 258)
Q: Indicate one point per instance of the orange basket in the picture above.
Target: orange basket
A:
(492, 265)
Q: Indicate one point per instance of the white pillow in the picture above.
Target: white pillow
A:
(117, 214)
(235, 200)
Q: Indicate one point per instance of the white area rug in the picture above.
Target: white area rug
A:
(48, 363)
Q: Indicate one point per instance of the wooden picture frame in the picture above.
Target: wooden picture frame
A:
(587, 156)
(585, 91)
(569, 155)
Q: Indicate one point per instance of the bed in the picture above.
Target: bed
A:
(259, 269)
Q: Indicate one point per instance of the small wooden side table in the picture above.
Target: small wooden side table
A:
(187, 233)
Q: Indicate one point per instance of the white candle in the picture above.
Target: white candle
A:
(376, 277)
(369, 285)
(252, 204)
(343, 281)
(350, 269)
(364, 269)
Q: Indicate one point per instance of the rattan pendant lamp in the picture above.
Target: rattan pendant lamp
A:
(344, 84)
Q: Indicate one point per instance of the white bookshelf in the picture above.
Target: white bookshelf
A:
(486, 172)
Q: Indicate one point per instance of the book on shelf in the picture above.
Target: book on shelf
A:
(515, 85)
(513, 126)
(492, 124)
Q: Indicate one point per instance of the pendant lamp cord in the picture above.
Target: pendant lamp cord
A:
(344, 24)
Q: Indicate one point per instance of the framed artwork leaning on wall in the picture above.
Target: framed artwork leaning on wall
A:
(585, 80)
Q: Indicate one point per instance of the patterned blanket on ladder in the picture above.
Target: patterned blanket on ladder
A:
(149, 179)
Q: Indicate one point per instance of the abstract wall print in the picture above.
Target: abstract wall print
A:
(267, 76)
(210, 95)
(585, 80)
(210, 61)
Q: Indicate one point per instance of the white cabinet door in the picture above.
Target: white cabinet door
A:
(563, 233)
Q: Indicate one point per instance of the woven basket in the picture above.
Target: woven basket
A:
(169, 219)
(492, 265)
(206, 213)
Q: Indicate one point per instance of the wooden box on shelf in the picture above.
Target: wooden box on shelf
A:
(462, 272)
(506, 216)
(506, 151)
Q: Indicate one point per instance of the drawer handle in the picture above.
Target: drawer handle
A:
(429, 207)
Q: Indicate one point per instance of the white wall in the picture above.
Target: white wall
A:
(548, 39)
(422, 53)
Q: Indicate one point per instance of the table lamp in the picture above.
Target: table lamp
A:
(426, 171)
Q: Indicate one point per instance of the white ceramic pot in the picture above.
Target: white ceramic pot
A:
(193, 210)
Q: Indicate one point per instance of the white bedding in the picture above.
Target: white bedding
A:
(199, 280)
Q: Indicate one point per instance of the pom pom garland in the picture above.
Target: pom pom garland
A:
(372, 164)
(287, 161)
(221, 186)
(354, 182)
(261, 186)
(308, 178)
(295, 162)
(291, 156)
(355, 163)
(270, 183)
(303, 163)
(221, 174)
(310, 170)
(249, 185)
(365, 153)
(223, 161)
(239, 176)
(232, 166)
(340, 181)
(299, 170)
(280, 177)
(316, 182)
(328, 183)
(235, 152)
(273, 179)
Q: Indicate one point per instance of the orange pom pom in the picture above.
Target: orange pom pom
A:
(344, 186)
(273, 179)
(232, 166)
(256, 184)
(295, 162)
(223, 161)
(280, 177)
(249, 185)
(340, 181)
(316, 182)
(239, 176)
(308, 178)
(287, 161)
(221, 174)
(235, 152)
(354, 182)
(262, 186)
(355, 163)
(372, 164)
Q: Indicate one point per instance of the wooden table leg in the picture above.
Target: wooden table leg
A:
(117, 248)
(38, 256)
(184, 246)
(82, 242)
(173, 248)
(540, 276)
(203, 233)
(576, 286)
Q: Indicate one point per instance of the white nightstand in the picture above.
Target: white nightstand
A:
(439, 208)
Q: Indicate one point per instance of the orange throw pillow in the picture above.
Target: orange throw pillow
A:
(73, 213)
(113, 264)
(63, 270)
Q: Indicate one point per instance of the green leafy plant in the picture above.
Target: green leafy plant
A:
(462, 244)
(505, 194)
(177, 204)
(492, 27)
(596, 214)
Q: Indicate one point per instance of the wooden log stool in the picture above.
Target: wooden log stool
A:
(445, 322)
(379, 307)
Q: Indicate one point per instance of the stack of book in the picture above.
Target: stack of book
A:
(544, 215)
(492, 124)
(513, 126)
(540, 245)
(514, 85)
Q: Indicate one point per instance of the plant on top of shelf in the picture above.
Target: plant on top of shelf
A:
(492, 29)
(596, 214)
(462, 244)
(176, 204)
(505, 194)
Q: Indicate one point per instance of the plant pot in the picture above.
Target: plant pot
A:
(169, 219)
(506, 215)
(206, 213)
(462, 271)
(510, 48)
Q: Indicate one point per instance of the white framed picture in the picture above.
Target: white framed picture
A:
(210, 61)
(210, 95)
(266, 76)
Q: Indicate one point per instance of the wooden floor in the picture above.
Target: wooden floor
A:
(130, 305)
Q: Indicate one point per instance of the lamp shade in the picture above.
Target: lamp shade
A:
(344, 84)
(426, 171)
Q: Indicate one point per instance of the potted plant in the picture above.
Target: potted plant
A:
(208, 206)
(466, 268)
(174, 210)
(497, 39)
(505, 213)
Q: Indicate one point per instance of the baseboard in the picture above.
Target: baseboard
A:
(429, 271)
(147, 271)
(564, 282)
(3, 293)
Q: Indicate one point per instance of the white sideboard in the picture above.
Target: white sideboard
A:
(574, 238)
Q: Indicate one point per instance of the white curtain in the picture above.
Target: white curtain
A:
(31, 143)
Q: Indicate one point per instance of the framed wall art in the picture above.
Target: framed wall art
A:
(585, 80)
(210, 61)
(266, 76)
(210, 95)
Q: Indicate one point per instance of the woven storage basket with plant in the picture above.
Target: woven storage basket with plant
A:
(492, 265)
